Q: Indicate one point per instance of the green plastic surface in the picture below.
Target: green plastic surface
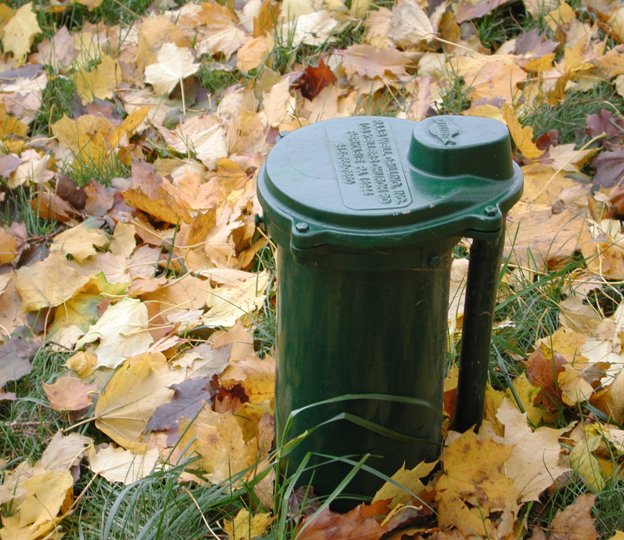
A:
(372, 182)
(365, 212)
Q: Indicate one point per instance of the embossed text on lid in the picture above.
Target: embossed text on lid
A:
(368, 167)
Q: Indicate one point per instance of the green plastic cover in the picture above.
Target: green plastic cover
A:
(375, 182)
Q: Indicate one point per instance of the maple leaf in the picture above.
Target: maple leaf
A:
(20, 32)
(223, 448)
(15, 356)
(122, 331)
(473, 486)
(119, 465)
(135, 391)
(534, 461)
(358, 523)
(409, 479)
(48, 283)
(575, 521)
(609, 167)
(244, 526)
(69, 394)
(79, 241)
(173, 66)
(542, 370)
(522, 136)
(252, 54)
(257, 376)
(189, 397)
(409, 24)
(314, 79)
(64, 452)
(99, 83)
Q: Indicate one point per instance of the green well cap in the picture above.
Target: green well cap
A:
(377, 182)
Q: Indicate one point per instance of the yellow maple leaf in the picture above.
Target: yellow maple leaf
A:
(119, 465)
(256, 375)
(122, 332)
(410, 480)
(522, 136)
(473, 486)
(79, 241)
(36, 514)
(20, 32)
(48, 283)
(98, 83)
(132, 395)
(244, 526)
(223, 448)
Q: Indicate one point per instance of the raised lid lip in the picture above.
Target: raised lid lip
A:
(378, 228)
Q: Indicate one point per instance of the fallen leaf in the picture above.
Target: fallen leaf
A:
(473, 486)
(64, 452)
(15, 356)
(35, 515)
(359, 523)
(189, 397)
(173, 66)
(410, 481)
(69, 394)
(257, 377)
(586, 465)
(522, 136)
(80, 241)
(244, 526)
(252, 54)
(575, 522)
(533, 464)
(119, 465)
(98, 83)
(314, 79)
(574, 388)
(223, 448)
(122, 331)
(131, 397)
(20, 32)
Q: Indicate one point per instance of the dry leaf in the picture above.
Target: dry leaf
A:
(122, 331)
(20, 32)
(173, 66)
(244, 526)
(575, 522)
(69, 394)
(135, 391)
(119, 465)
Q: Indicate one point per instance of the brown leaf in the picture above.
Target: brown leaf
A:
(359, 523)
(467, 10)
(314, 79)
(575, 522)
(15, 356)
(543, 371)
(67, 190)
(542, 239)
(609, 167)
(69, 394)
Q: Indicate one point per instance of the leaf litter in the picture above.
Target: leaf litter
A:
(146, 277)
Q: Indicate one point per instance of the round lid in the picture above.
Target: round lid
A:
(381, 182)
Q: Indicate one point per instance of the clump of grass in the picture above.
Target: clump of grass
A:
(215, 79)
(28, 423)
(569, 116)
(17, 208)
(57, 100)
